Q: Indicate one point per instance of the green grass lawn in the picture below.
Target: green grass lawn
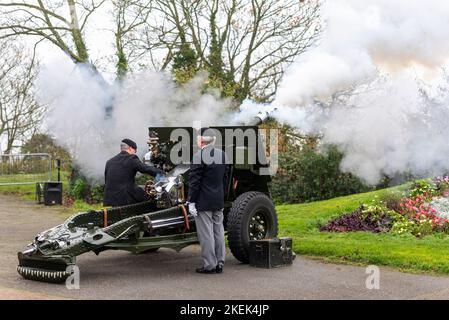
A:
(405, 252)
(28, 191)
(20, 178)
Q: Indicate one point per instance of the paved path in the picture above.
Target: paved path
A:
(169, 275)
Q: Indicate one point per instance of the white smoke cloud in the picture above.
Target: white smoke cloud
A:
(362, 37)
(375, 49)
(79, 99)
(153, 99)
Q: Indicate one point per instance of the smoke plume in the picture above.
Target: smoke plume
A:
(90, 117)
(362, 87)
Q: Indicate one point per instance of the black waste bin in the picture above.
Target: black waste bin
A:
(49, 193)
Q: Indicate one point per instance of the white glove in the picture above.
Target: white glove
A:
(192, 209)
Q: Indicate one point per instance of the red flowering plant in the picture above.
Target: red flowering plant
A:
(422, 217)
(418, 208)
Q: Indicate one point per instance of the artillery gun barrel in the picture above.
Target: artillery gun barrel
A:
(261, 117)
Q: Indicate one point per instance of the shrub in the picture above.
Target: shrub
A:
(43, 143)
(81, 189)
(379, 212)
(418, 228)
(423, 188)
(78, 189)
(372, 218)
(96, 193)
(391, 200)
(306, 175)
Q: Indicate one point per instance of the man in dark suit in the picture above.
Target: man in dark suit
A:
(119, 174)
(207, 185)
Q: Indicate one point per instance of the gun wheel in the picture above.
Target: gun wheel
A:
(252, 217)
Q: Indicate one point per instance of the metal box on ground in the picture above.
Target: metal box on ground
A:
(271, 253)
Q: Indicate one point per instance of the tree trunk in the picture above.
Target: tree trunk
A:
(76, 34)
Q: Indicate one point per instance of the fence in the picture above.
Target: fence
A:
(21, 169)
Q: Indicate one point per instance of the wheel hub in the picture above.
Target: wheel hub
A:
(257, 226)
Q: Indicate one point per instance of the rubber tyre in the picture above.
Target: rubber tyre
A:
(243, 208)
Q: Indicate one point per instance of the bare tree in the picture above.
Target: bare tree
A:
(249, 41)
(130, 18)
(20, 114)
(64, 23)
(59, 22)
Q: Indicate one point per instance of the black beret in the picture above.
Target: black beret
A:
(130, 143)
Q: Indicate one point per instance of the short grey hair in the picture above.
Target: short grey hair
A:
(124, 146)
(208, 139)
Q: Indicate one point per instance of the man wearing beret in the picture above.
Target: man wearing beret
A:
(119, 174)
(207, 186)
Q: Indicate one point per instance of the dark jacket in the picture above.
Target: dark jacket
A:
(119, 175)
(208, 181)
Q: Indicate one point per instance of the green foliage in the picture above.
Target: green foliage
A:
(225, 85)
(81, 189)
(78, 188)
(391, 200)
(122, 65)
(378, 212)
(186, 67)
(96, 193)
(306, 175)
(423, 187)
(185, 58)
(418, 228)
(43, 143)
(184, 75)
(184, 64)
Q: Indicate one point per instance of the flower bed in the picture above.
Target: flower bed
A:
(423, 211)
(368, 219)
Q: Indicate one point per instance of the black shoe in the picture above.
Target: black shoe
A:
(202, 270)
(219, 268)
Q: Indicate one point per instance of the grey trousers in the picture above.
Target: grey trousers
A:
(210, 230)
